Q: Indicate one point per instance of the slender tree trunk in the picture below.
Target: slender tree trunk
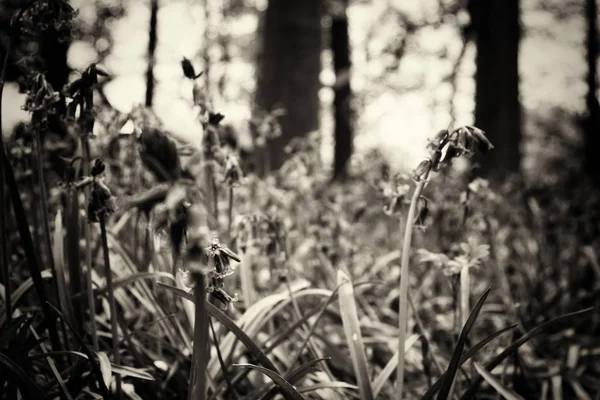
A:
(497, 107)
(340, 46)
(592, 123)
(151, 53)
(289, 64)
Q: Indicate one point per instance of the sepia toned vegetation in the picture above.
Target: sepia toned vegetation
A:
(136, 264)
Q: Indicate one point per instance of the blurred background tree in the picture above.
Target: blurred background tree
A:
(289, 64)
(496, 27)
(520, 71)
(340, 47)
(592, 122)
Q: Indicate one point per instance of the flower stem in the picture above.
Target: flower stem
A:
(44, 204)
(403, 296)
(201, 350)
(85, 150)
(230, 212)
(114, 324)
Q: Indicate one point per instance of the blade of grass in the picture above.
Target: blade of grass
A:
(296, 307)
(449, 376)
(465, 292)
(122, 370)
(90, 355)
(351, 326)
(43, 200)
(496, 384)
(85, 149)
(518, 343)
(303, 370)
(105, 368)
(74, 257)
(288, 391)
(390, 367)
(293, 377)
(31, 253)
(224, 369)
(59, 263)
(220, 316)
(282, 337)
(468, 354)
(27, 384)
(329, 385)
(114, 323)
(61, 382)
(23, 288)
(246, 276)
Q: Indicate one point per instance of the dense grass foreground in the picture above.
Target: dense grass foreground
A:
(138, 267)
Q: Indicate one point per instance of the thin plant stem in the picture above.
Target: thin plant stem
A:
(114, 323)
(200, 354)
(403, 296)
(230, 387)
(43, 203)
(85, 149)
(29, 248)
(230, 212)
(215, 193)
(311, 345)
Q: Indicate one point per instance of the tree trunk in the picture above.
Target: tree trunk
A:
(289, 64)
(340, 46)
(151, 53)
(592, 123)
(497, 108)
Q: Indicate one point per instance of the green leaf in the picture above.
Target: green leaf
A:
(496, 384)
(27, 384)
(88, 352)
(288, 391)
(518, 343)
(105, 368)
(229, 324)
(328, 385)
(391, 366)
(448, 379)
(353, 335)
(470, 353)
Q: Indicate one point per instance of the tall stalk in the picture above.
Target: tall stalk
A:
(85, 149)
(19, 211)
(114, 323)
(201, 352)
(43, 201)
(403, 296)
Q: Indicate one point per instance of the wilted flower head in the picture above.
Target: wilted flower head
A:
(41, 96)
(220, 257)
(233, 173)
(211, 142)
(101, 202)
(188, 69)
(447, 145)
(214, 262)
